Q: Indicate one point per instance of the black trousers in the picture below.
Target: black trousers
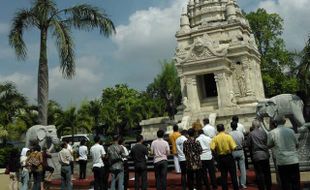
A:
(227, 164)
(263, 174)
(192, 177)
(98, 178)
(208, 167)
(82, 164)
(183, 174)
(290, 176)
(72, 167)
(126, 174)
(161, 174)
(140, 175)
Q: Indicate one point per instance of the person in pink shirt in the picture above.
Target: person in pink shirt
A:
(160, 149)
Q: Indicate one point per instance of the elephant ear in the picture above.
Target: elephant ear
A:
(271, 108)
(41, 134)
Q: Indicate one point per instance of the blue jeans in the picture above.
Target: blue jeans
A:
(66, 178)
(119, 177)
(24, 179)
(240, 161)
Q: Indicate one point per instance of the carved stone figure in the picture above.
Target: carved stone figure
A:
(283, 105)
(45, 136)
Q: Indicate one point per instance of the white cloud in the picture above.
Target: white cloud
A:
(296, 16)
(26, 84)
(87, 83)
(149, 35)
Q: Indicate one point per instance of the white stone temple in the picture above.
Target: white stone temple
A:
(218, 63)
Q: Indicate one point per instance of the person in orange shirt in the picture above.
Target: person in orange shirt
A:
(172, 138)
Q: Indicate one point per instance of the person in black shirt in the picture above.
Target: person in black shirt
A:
(139, 154)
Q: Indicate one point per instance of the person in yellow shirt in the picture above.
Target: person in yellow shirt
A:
(172, 138)
(223, 144)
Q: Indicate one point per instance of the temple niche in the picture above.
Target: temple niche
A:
(218, 62)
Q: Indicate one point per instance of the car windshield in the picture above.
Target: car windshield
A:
(75, 139)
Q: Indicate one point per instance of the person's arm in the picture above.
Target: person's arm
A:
(213, 145)
(232, 143)
(270, 140)
(167, 148)
(152, 149)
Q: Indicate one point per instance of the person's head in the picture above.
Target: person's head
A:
(175, 128)
(255, 124)
(220, 128)
(28, 152)
(234, 125)
(235, 119)
(160, 133)
(139, 138)
(206, 121)
(37, 148)
(115, 138)
(64, 145)
(200, 131)
(83, 142)
(191, 132)
(121, 140)
(96, 139)
(184, 132)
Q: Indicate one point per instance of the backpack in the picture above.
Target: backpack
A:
(34, 162)
(115, 153)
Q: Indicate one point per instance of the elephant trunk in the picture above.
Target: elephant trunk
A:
(263, 125)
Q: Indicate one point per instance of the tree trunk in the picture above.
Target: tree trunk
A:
(43, 80)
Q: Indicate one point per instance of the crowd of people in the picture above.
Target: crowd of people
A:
(198, 152)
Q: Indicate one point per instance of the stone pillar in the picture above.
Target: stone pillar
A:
(222, 90)
(247, 70)
(192, 93)
(231, 11)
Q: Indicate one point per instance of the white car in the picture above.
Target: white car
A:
(77, 138)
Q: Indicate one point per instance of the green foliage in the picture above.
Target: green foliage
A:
(5, 154)
(166, 87)
(72, 121)
(303, 71)
(277, 62)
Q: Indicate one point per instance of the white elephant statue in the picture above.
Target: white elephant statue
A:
(284, 105)
(45, 136)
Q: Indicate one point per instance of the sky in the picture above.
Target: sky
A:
(145, 35)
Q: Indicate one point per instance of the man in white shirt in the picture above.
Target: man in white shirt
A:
(65, 157)
(208, 129)
(98, 153)
(182, 160)
(207, 159)
(240, 127)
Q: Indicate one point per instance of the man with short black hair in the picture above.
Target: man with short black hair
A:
(182, 159)
(207, 160)
(172, 138)
(98, 154)
(238, 153)
(240, 127)
(139, 154)
(64, 157)
(223, 144)
(192, 150)
(160, 149)
(208, 129)
(116, 154)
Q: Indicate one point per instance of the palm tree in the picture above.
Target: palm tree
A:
(47, 18)
(11, 104)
